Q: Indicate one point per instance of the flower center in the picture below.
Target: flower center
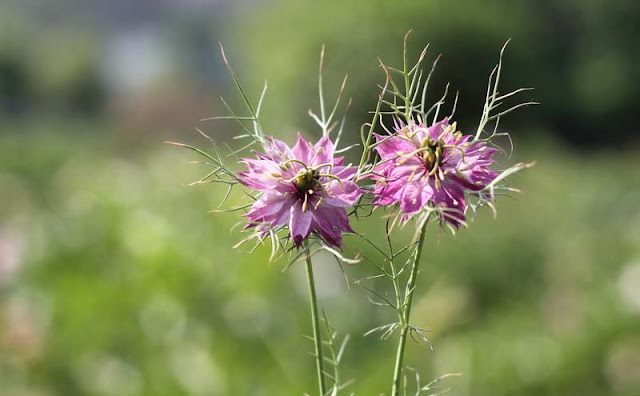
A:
(432, 154)
(307, 181)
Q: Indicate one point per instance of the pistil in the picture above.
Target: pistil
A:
(433, 152)
(306, 182)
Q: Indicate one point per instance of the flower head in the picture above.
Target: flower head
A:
(432, 165)
(304, 188)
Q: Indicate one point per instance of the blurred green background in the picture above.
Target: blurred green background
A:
(114, 280)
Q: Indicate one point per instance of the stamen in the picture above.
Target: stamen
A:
(291, 160)
(436, 163)
(324, 193)
(406, 157)
(330, 165)
(446, 130)
(330, 176)
(414, 169)
(454, 147)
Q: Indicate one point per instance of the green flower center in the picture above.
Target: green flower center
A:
(307, 181)
(432, 154)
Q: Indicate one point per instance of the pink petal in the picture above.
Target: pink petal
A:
(277, 149)
(299, 224)
(302, 151)
(343, 194)
(322, 152)
(411, 200)
(453, 200)
(330, 222)
(260, 183)
(392, 146)
(436, 129)
(344, 172)
(389, 193)
(272, 207)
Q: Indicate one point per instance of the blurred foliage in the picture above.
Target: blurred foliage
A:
(121, 284)
(581, 56)
(57, 73)
(114, 280)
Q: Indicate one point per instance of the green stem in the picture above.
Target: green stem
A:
(316, 325)
(397, 372)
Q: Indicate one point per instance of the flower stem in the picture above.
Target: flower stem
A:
(404, 332)
(316, 325)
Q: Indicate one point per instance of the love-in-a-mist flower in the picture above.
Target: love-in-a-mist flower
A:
(304, 187)
(431, 165)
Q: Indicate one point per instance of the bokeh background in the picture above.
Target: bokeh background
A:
(114, 280)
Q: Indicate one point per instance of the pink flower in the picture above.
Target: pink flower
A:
(434, 165)
(304, 188)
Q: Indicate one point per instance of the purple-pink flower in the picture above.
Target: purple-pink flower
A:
(305, 188)
(434, 165)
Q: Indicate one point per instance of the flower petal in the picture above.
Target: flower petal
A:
(388, 193)
(435, 130)
(411, 200)
(302, 151)
(263, 175)
(344, 172)
(277, 150)
(273, 208)
(343, 194)
(330, 223)
(392, 146)
(322, 152)
(452, 201)
(299, 224)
